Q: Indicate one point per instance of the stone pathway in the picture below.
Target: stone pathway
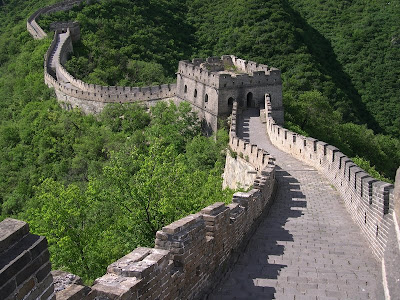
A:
(54, 63)
(308, 247)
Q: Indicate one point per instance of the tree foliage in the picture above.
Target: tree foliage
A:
(138, 190)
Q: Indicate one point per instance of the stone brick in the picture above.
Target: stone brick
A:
(8, 288)
(43, 272)
(73, 292)
(33, 267)
(14, 266)
(11, 231)
(25, 289)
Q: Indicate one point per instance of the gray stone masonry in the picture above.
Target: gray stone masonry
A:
(392, 252)
(24, 263)
(308, 247)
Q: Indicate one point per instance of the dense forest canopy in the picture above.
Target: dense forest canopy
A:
(138, 170)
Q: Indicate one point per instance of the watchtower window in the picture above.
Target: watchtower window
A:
(249, 99)
(185, 88)
(195, 93)
(230, 101)
(206, 98)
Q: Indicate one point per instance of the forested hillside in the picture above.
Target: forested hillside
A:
(322, 86)
(99, 186)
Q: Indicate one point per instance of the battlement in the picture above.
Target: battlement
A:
(369, 201)
(79, 89)
(34, 29)
(257, 157)
(175, 268)
(228, 71)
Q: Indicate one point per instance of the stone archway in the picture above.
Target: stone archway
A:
(249, 101)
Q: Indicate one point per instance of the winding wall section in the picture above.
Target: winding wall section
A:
(174, 268)
(33, 27)
(371, 203)
(73, 92)
(190, 255)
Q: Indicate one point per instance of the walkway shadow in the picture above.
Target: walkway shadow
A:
(244, 125)
(260, 265)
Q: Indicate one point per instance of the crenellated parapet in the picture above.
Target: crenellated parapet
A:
(257, 157)
(368, 200)
(33, 27)
(89, 97)
(229, 71)
(189, 257)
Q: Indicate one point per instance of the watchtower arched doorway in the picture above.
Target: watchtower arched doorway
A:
(230, 104)
(250, 100)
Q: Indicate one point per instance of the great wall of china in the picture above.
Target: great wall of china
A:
(175, 268)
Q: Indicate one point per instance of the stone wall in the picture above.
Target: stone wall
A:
(72, 92)
(238, 173)
(368, 200)
(257, 157)
(89, 97)
(193, 253)
(24, 263)
(371, 203)
(243, 160)
(189, 257)
(34, 29)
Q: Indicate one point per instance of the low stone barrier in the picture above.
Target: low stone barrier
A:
(189, 258)
(190, 255)
(370, 202)
(24, 263)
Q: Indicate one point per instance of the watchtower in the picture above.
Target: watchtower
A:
(73, 27)
(212, 85)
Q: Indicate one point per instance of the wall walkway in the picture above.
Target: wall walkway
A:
(92, 98)
(308, 247)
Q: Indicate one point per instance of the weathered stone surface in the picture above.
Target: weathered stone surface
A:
(308, 247)
(11, 231)
(63, 280)
(115, 286)
(73, 292)
(238, 173)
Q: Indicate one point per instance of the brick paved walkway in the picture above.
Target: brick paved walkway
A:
(308, 246)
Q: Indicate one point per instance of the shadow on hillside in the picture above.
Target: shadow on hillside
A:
(255, 273)
(321, 50)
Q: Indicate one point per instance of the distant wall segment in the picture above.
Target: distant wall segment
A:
(33, 27)
(72, 92)
(210, 85)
